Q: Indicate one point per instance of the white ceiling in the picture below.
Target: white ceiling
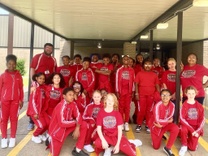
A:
(110, 19)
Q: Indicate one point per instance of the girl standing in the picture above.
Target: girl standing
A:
(11, 99)
(109, 129)
(54, 90)
(36, 108)
(90, 116)
(192, 121)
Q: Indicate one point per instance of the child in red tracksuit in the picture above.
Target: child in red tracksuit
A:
(37, 108)
(54, 90)
(104, 71)
(86, 77)
(147, 85)
(67, 71)
(79, 96)
(109, 129)
(66, 119)
(124, 89)
(11, 100)
(192, 121)
(162, 121)
(90, 116)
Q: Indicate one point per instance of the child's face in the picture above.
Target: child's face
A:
(106, 60)
(156, 62)
(86, 64)
(77, 87)
(41, 79)
(69, 97)
(165, 96)
(131, 63)
(192, 59)
(115, 59)
(96, 97)
(125, 60)
(191, 94)
(171, 64)
(56, 79)
(11, 65)
(94, 58)
(109, 101)
(65, 61)
(103, 93)
(77, 60)
(147, 66)
(140, 59)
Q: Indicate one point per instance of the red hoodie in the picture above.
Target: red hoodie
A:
(11, 86)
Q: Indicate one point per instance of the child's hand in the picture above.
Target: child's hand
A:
(116, 149)
(32, 89)
(36, 116)
(157, 124)
(83, 95)
(104, 144)
(75, 134)
(170, 120)
(20, 104)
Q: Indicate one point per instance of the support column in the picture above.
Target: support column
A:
(129, 49)
(53, 54)
(138, 46)
(178, 60)
(151, 45)
(10, 34)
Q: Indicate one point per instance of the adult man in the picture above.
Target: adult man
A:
(45, 63)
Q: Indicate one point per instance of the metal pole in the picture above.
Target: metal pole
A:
(151, 45)
(178, 59)
(53, 54)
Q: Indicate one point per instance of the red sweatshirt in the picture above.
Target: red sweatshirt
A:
(65, 115)
(91, 111)
(80, 102)
(11, 86)
(161, 114)
(192, 116)
(125, 80)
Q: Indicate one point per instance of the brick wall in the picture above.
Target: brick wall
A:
(129, 49)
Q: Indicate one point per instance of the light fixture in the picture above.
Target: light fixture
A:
(200, 3)
(157, 47)
(133, 42)
(99, 45)
(162, 25)
(144, 36)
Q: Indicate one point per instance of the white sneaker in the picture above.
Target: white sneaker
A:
(126, 126)
(42, 137)
(136, 142)
(36, 139)
(183, 150)
(12, 142)
(108, 151)
(89, 148)
(3, 143)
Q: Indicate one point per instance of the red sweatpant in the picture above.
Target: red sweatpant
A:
(187, 139)
(145, 106)
(55, 145)
(124, 106)
(90, 130)
(42, 124)
(125, 146)
(156, 138)
(9, 110)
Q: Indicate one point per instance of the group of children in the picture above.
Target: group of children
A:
(78, 99)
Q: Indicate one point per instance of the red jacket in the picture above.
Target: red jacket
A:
(65, 115)
(192, 116)
(11, 86)
(161, 114)
(37, 101)
(86, 78)
(120, 77)
(80, 102)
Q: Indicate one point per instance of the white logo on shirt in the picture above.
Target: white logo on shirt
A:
(109, 121)
(188, 73)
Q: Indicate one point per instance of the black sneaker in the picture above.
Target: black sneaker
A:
(147, 129)
(168, 151)
(138, 128)
(81, 153)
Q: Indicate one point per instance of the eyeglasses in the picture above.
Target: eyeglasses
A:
(147, 65)
(165, 95)
(76, 86)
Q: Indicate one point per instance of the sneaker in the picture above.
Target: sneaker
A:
(12, 142)
(108, 151)
(81, 153)
(42, 137)
(147, 130)
(138, 128)
(4, 143)
(126, 126)
(183, 150)
(136, 142)
(89, 148)
(168, 151)
(36, 139)
(30, 127)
